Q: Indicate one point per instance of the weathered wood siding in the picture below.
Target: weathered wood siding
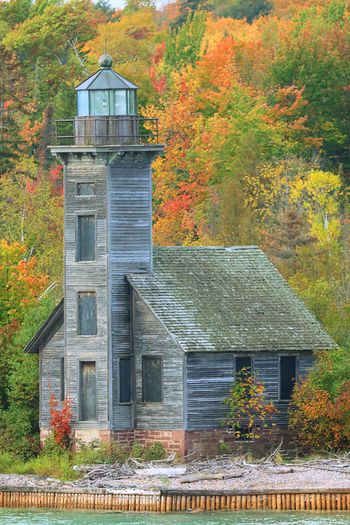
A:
(151, 339)
(86, 276)
(208, 381)
(50, 374)
(130, 250)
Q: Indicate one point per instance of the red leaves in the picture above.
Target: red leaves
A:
(60, 421)
(56, 179)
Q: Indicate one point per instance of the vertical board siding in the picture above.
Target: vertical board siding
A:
(209, 377)
(50, 378)
(130, 250)
(88, 276)
(151, 339)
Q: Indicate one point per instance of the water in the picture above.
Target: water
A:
(45, 517)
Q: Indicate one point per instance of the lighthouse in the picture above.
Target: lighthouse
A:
(107, 152)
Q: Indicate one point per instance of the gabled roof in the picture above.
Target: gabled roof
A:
(222, 299)
(105, 78)
(47, 330)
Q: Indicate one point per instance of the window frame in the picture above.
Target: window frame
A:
(145, 356)
(80, 363)
(77, 236)
(243, 355)
(84, 196)
(91, 291)
(296, 357)
(130, 357)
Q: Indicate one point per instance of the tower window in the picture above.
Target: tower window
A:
(125, 380)
(85, 189)
(151, 379)
(87, 313)
(287, 376)
(87, 394)
(86, 238)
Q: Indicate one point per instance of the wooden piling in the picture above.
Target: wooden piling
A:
(177, 501)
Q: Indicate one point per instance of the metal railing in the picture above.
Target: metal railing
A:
(109, 130)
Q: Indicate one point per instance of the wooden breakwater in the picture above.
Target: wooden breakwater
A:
(177, 501)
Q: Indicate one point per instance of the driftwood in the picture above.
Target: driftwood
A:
(204, 476)
(280, 470)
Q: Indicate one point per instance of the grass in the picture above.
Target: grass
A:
(55, 463)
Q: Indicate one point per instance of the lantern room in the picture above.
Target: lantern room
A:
(107, 113)
(106, 93)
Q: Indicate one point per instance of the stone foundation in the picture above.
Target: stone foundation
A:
(173, 441)
(204, 443)
(212, 442)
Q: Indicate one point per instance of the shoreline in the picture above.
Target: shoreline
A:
(176, 501)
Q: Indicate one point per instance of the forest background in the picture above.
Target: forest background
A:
(253, 98)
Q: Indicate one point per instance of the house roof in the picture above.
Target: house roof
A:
(222, 299)
(47, 330)
(105, 78)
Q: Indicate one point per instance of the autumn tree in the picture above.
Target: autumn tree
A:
(320, 410)
(31, 213)
(131, 39)
(248, 9)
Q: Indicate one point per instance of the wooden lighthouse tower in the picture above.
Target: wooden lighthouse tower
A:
(107, 234)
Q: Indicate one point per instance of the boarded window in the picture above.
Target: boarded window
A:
(62, 385)
(287, 376)
(151, 379)
(243, 363)
(86, 189)
(125, 380)
(88, 403)
(87, 314)
(86, 238)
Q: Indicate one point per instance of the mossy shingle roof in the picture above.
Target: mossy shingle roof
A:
(222, 299)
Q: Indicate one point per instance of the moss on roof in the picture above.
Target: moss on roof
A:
(221, 299)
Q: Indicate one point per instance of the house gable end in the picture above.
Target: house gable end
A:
(47, 330)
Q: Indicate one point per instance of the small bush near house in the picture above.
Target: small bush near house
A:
(155, 452)
(249, 411)
(320, 409)
(97, 452)
(60, 422)
(223, 448)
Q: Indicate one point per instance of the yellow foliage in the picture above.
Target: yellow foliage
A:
(319, 192)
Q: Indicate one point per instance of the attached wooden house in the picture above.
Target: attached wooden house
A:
(148, 340)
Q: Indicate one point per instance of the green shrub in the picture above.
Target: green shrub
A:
(136, 450)
(223, 448)
(50, 447)
(99, 452)
(16, 434)
(6, 463)
(58, 466)
(155, 452)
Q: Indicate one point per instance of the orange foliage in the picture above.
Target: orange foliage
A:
(318, 420)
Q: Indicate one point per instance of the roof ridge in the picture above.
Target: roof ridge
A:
(224, 248)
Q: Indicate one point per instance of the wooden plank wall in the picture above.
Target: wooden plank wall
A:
(86, 276)
(50, 374)
(151, 339)
(176, 501)
(130, 250)
(209, 377)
